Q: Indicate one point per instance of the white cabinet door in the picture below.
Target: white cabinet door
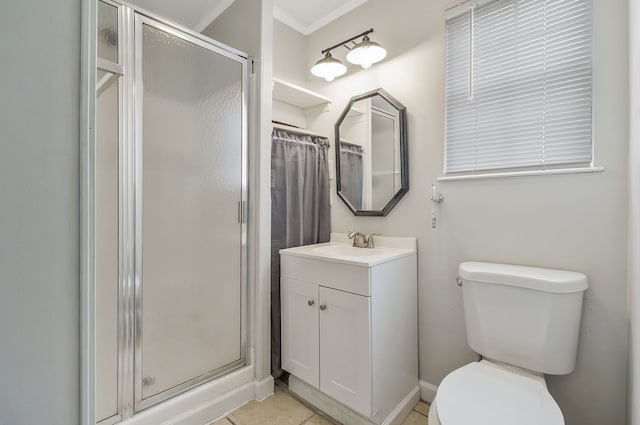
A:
(300, 329)
(345, 349)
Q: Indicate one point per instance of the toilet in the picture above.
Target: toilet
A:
(524, 322)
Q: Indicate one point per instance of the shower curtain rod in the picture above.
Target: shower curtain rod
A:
(293, 129)
(315, 145)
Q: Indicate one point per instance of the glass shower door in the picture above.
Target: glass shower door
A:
(190, 235)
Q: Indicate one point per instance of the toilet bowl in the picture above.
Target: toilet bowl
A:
(489, 393)
(525, 322)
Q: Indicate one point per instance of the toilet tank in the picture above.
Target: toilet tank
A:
(524, 316)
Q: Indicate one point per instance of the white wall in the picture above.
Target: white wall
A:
(289, 54)
(39, 213)
(238, 26)
(289, 64)
(574, 222)
(634, 215)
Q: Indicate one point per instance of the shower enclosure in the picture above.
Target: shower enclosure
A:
(170, 207)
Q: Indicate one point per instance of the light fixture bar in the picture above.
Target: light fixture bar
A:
(328, 49)
(364, 53)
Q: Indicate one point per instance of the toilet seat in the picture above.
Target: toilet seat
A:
(483, 393)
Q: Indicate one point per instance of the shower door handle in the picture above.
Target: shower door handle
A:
(242, 212)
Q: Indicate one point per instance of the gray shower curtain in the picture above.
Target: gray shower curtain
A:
(351, 173)
(300, 212)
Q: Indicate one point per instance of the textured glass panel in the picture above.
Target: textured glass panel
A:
(106, 170)
(192, 158)
(107, 32)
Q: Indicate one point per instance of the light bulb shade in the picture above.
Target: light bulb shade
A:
(366, 53)
(328, 68)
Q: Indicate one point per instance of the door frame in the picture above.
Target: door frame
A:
(129, 281)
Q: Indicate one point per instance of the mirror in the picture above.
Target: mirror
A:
(371, 153)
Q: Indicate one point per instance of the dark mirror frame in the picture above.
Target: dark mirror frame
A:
(404, 154)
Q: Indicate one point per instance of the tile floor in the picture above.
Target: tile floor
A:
(282, 408)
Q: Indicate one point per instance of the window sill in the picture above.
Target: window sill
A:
(522, 173)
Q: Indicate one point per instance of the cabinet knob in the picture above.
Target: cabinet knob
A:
(323, 307)
(311, 303)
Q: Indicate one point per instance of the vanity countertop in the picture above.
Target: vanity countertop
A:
(340, 250)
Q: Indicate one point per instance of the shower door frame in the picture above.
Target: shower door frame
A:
(141, 19)
(125, 195)
(129, 350)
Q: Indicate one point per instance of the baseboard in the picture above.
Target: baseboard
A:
(427, 391)
(405, 407)
(215, 408)
(325, 404)
(345, 415)
(204, 403)
(263, 389)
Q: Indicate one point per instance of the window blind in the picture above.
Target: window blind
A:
(519, 85)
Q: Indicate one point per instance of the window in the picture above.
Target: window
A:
(519, 86)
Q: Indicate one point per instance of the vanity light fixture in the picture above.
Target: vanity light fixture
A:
(364, 53)
(328, 67)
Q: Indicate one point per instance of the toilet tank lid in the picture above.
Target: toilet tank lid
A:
(547, 280)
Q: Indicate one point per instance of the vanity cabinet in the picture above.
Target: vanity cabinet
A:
(326, 341)
(349, 330)
(300, 329)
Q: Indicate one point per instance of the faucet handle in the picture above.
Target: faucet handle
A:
(359, 239)
(369, 239)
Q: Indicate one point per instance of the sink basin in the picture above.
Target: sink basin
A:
(346, 251)
(341, 250)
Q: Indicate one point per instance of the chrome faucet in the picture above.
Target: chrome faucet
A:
(369, 240)
(361, 240)
(358, 239)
